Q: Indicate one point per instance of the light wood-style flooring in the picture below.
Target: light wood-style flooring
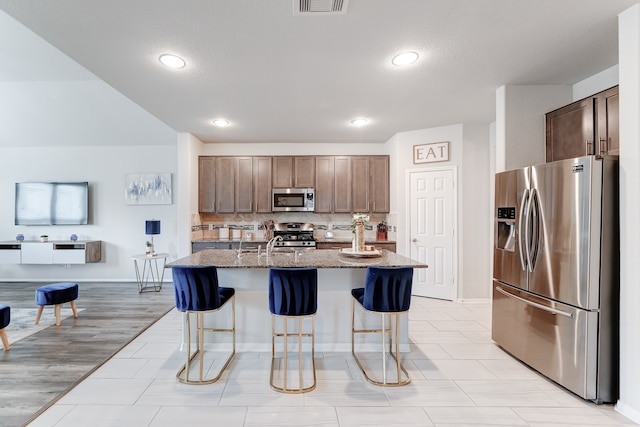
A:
(41, 368)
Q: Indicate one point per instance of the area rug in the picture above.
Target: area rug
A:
(22, 319)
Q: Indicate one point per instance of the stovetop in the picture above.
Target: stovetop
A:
(294, 234)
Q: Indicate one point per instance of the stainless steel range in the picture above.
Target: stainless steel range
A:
(295, 235)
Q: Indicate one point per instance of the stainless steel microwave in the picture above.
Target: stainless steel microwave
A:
(292, 199)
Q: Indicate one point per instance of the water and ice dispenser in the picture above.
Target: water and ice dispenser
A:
(506, 228)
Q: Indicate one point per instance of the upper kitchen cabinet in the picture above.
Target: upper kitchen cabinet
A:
(296, 172)
(324, 185)
(360, 184)
(342, 185)
(244, 184)
(346, 184)
(585, 127)
(608, 120)
(370, 183)
(225, 184)
(262, 173)
(379, 184)
(206, 184)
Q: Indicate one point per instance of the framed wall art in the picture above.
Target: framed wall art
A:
(148, 189)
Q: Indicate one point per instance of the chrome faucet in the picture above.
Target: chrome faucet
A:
(271, 243)
(240, 247)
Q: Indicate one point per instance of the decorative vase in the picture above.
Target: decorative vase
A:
(359, 237)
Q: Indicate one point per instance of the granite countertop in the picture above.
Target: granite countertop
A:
(329, 258)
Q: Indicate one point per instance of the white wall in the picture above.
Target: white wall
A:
(596, 83)
(520, 123)
(629, 61)
(469, 153)
(119, 226)
(476, 274)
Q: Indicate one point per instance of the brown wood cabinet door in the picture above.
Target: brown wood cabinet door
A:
(282, 172)
(342, 184)
(360, 183)
(608, 130)
(206, 184)
(244, 184)
(225, 184)
(379, 185)
(304, 169)
(570, 131)
(324, 184)
(262, 184)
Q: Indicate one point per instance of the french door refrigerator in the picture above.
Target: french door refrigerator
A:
(556, 272)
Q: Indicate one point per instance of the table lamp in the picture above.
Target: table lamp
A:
(152, 227)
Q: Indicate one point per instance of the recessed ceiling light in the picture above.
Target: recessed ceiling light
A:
(404, 58)
(359, 122)
(221, 122)
(172, 61)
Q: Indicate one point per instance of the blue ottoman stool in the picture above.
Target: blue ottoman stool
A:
(5, 318)
(56, 294)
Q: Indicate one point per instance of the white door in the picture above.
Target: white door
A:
(432, 220)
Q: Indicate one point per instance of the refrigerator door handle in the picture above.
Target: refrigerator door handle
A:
(534, 304)
(527, 230)
(522, 248)
(535, 225)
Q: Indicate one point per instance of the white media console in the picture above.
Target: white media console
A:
(53, 252)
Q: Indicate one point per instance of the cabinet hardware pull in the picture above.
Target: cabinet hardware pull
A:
(603, 146)
(590, 148)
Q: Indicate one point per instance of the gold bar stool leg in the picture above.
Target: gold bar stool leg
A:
(286, 351)
(384, 354)
(300, 352)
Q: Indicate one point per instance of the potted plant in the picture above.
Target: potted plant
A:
(44, 238)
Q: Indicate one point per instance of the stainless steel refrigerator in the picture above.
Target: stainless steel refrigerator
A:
(556, 272)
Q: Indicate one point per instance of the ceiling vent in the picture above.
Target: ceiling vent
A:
(320, 7)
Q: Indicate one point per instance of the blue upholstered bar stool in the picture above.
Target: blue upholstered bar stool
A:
(197, 293)
(5, 318)
(387, 291)
(293, 293)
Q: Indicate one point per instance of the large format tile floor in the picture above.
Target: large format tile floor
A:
(459, 378)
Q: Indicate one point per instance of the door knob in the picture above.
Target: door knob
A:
(414, 240)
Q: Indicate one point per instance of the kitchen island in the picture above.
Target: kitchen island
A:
(338, 273)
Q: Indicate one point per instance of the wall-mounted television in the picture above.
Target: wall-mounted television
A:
(52, 203)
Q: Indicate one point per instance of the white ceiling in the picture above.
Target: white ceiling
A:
(279, 76)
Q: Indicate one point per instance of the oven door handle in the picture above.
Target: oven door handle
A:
(534, 304)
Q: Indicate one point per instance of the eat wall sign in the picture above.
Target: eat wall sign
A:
(427, 153)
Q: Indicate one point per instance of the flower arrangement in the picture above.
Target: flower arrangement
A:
(358, 218)
(357, 227)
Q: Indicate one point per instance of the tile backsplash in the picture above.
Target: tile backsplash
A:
(207, 226)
